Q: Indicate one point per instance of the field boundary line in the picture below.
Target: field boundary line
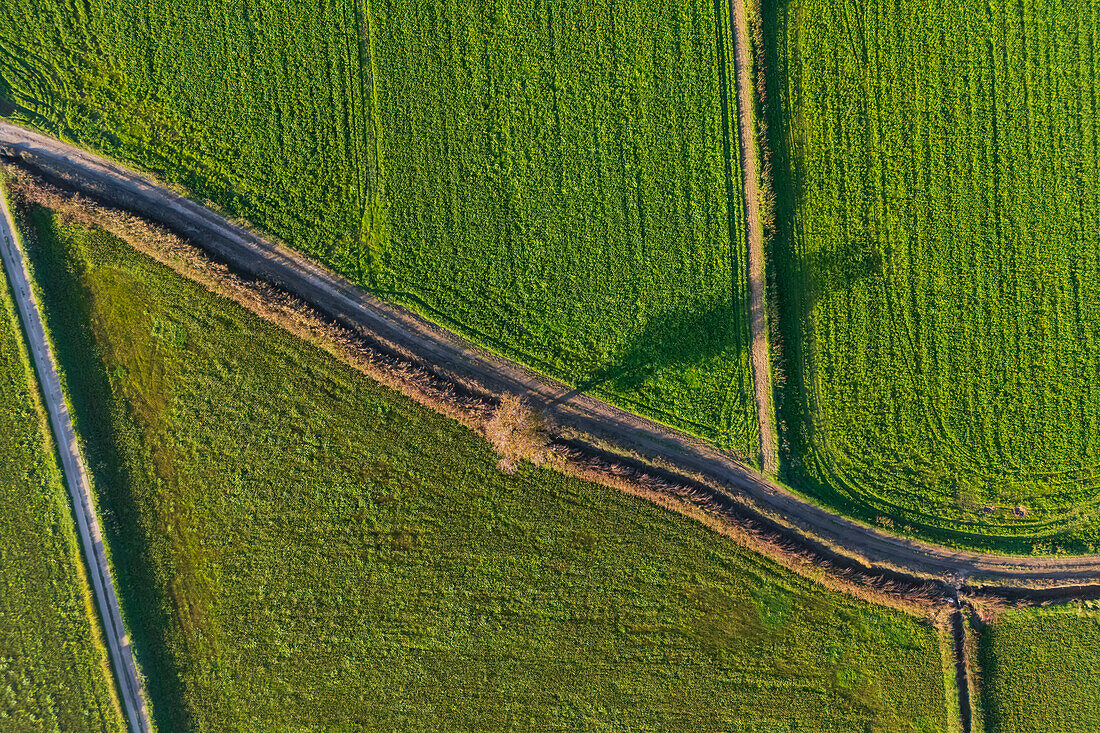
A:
(754, 236)
(839, 540)
(962, 668)
(131, 691)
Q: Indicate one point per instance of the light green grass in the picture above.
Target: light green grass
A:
(938, 259)
(556, 180)
(53, 666)
(1041, 671)
(300, 547)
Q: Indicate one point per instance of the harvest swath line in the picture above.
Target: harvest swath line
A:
(76, 478)
(743, 490)
(761, 361)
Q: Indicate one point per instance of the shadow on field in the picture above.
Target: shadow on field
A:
(800, 278)
(675, 338)
(7, 106)
(838, 270)
(69, 316)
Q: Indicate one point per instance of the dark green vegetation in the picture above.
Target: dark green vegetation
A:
(938, 258)
(1041, 671)
(557, 180)
(53, 667)
(297, 543)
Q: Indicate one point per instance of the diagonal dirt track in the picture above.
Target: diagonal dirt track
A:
(131, 693)
(754, 235)
(403, 333)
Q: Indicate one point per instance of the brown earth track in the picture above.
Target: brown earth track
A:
(754, 235)
(841, 540)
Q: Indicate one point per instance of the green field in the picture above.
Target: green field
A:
(299, 547)
(937, 259)
(558, 181)
(53, 666)
(1041, 671)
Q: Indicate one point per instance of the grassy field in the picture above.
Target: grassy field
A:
(1041, 671)
(300, 547)
(558, 181)
(937, 258)
(53, 668)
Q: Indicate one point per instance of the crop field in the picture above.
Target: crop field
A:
(556, 180)
(1041, 671)
(353, 561)
(937, 258)
(54, 674)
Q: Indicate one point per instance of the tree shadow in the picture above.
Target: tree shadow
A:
(838, 270)
(675, 338)
(801, 278)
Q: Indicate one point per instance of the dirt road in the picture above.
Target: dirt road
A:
(754, 235)
(451, 357)
(130, 690)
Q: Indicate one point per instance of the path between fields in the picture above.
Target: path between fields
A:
(130, 689)
(754, 235)
(451, 357)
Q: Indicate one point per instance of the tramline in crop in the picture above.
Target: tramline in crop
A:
(938, 260)
(556, 180)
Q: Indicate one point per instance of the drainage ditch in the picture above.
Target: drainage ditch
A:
(962, 667)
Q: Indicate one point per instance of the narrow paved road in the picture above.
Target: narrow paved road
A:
(754, 236)
(122, 658)
(450, 356)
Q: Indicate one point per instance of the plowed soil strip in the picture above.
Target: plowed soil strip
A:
(76, 478)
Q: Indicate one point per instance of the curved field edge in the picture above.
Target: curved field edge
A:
(54, 668)
(828, 291)
(468, 567)
(753, 498)
(557, 183)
